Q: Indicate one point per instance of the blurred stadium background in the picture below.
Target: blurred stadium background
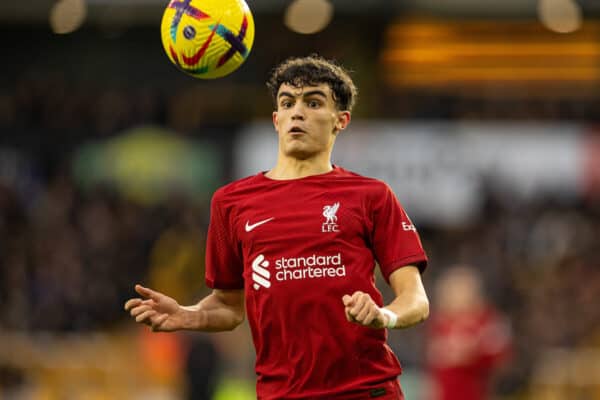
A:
(482, 115)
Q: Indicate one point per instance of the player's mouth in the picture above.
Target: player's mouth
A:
(296, 130)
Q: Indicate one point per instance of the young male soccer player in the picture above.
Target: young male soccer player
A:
(295, 249)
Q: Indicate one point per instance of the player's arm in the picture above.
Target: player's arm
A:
(411, 304)
(409, 307)
(222, 310)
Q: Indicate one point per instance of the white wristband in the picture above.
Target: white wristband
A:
(392, 317)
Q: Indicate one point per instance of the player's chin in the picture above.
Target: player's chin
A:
(299, 152)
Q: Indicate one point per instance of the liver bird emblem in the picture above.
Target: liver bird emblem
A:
(329, 213)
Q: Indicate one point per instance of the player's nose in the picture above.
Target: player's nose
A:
(298, 112)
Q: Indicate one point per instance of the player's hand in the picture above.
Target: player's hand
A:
(160, 312)
(361, 309)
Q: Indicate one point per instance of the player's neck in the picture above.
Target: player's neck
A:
(291, 168)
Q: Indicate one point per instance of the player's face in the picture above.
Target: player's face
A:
(307, 120)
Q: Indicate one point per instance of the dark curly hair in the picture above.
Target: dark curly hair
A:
(315, 70)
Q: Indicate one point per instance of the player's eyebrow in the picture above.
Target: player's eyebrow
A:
(315, 92)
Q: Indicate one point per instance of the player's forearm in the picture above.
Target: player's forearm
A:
(211, 314)
(411, 309)
(411, 305)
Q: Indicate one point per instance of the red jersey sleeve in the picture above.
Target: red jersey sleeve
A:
(224, 265)
(395, 240)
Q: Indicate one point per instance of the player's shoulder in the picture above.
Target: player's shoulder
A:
(237, 187)
(367, 182)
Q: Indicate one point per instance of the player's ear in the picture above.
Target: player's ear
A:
(343, 119)
(275, 120)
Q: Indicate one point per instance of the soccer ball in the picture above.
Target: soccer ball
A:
(207, 38)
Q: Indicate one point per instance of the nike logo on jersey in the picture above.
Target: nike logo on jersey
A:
(259, 223)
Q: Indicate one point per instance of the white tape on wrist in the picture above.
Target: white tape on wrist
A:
(392, 317)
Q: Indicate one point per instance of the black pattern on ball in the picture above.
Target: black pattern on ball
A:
(189, 32)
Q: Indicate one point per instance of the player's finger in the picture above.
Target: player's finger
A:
(347, 300)
(357, 295)
(368, 306)
(359, 304)
(362, 314)
(349, 317)
(132, 303)
(145, 316)
(371, 316)
(146, 292)
(138, 310)
(158, 321)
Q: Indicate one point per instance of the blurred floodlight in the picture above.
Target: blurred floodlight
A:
(562, 16)
(308, 16)
(67, 16)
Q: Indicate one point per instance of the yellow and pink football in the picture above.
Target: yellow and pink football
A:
(207, 38)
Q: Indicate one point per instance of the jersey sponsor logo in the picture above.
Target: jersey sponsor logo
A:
(315, 266)
(260, 274)
(329, 212)
(249, 227)
(408, 227)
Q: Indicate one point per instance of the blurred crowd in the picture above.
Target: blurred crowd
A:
(69, 259)
(39, 110)
(69, 256)
(539, 267)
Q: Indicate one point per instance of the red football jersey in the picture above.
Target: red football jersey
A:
(296, 247)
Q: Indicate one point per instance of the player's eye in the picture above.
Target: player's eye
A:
(285, 104)
(314, 103)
